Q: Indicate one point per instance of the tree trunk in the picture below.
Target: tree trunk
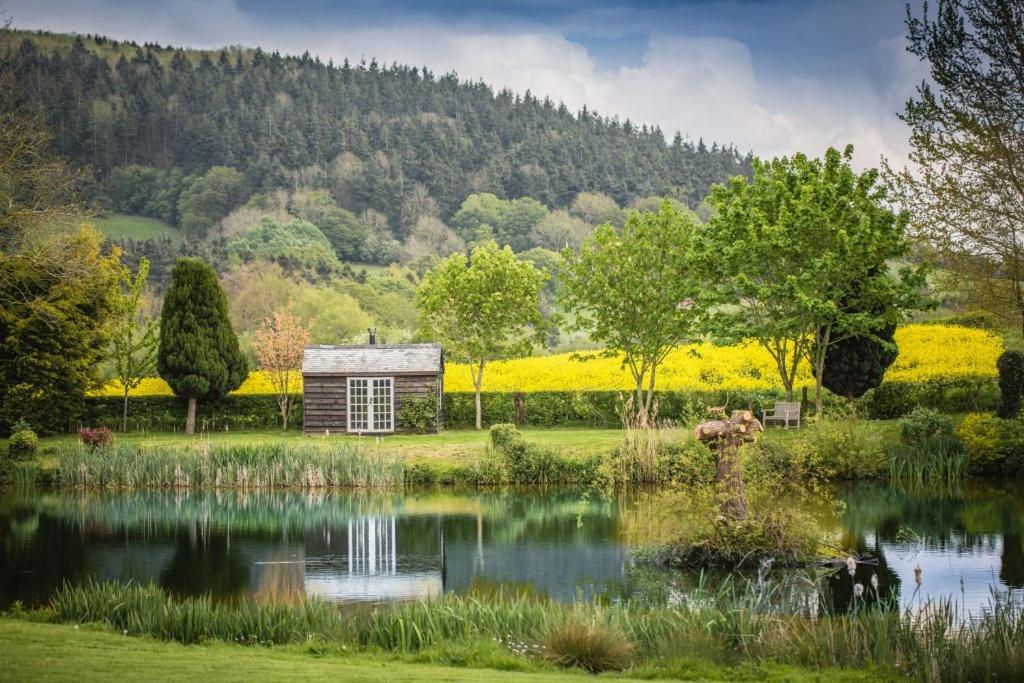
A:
(478, 382)
(124, 415)
(726, 436)
(190, 421)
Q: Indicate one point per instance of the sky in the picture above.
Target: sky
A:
(769, 76)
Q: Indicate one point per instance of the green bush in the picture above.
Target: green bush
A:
(23, 444)
(982, 436)
(1011, 383)
(954, 395)
(923, 424)
(418, 414)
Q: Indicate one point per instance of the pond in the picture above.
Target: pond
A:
(358, 546)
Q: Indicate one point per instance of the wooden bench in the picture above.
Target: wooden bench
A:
(785, 412)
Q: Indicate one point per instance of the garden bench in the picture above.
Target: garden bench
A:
(784, 411)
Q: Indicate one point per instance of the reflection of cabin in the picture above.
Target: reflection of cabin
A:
(361, 388)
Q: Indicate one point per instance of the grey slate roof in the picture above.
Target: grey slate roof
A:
(368, 359)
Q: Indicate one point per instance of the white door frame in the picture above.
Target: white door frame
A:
(370, 395)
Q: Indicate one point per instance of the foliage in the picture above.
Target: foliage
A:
(56, 280)
(134, 339)
(688, 526)
(923, 424)
(859, 363)
(418, 413)
(23, 444)
(280, 344)
(826, 450)
(209, 198)
(522, 462)
(1011, 382)
(802, 253)
(638, 292)
(298, 246)
(99, 437)
(347, 234)
(593, 647)
(483, 308)
(965, 137)
(198, 354)
(985, 437)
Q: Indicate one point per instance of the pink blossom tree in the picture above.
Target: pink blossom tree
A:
(279, 344)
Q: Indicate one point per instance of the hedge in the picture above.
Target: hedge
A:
(544, 408)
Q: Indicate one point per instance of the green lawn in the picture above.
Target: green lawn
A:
(121, 226)
(50, 652)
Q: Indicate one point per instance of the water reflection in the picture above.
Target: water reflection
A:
(358, 547)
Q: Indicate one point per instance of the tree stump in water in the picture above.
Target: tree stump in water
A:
(726, 436)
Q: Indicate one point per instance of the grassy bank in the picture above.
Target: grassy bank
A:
(762, 626)
(57, 652)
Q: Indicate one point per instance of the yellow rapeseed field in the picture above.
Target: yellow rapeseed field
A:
(926, 352)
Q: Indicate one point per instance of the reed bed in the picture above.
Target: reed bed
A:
(757, 622)
(300, 466)
(938, 461)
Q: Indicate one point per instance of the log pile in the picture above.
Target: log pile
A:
(741, 427)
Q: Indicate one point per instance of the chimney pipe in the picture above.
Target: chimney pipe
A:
(373, 335)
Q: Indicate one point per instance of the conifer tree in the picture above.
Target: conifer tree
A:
(198, 355)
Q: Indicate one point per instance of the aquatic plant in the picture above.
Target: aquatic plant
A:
(935, 460)
(267, 465)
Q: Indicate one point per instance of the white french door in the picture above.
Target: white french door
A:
(371, 404)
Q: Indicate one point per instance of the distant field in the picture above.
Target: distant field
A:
(370, 268)
(121, 226)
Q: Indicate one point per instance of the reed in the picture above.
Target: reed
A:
(934, 461)
(757, 621)
(243, 466)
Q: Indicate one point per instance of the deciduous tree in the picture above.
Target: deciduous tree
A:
(134, 338)
(279, 345)
(639, 291)
(483, 308)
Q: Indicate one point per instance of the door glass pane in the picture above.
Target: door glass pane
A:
(358, 405)
(382, 389)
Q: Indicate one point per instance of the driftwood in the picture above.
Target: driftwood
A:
(726, 436)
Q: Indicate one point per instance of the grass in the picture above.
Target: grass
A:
(756, 625)
(121, 226)
(59, 652)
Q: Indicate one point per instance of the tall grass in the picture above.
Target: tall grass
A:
(228, 466)
(934, 461)
(756, 622)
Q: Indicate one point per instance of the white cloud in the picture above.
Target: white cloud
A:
(706, 87)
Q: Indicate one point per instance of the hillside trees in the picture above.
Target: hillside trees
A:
(198, 354)
(966, 195)
(209, 198)
(639, 291)
(482, 308)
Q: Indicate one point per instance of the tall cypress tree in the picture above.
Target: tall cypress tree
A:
(199, 355)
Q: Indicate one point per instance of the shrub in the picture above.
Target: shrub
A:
(590, 646)
(923, 424)
(982, 437)
(100, 437)
(504, 435)
(1011, 382)
(418, 414)
(23, 444)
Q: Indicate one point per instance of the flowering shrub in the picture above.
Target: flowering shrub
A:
(927, 352)
(96, 438)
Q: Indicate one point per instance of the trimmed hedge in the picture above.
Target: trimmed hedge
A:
(541, 409)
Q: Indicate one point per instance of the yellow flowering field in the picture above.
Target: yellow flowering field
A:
(926, 352)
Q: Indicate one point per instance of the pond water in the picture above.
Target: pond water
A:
(357, 546)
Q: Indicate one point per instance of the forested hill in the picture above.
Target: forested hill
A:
(369, 132)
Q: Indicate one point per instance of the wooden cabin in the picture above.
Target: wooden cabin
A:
(359, 389)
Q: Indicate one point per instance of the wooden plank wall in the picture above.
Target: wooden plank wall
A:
(324, 404)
